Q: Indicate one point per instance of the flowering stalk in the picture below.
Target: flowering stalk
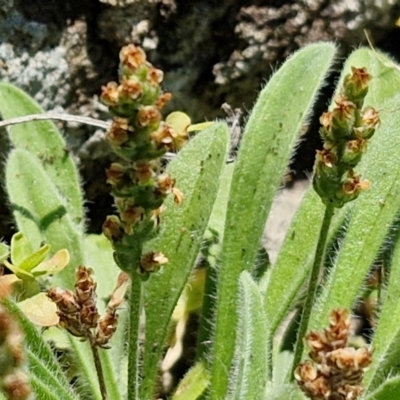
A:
(345, 131)
(139, 185)
(78, 314)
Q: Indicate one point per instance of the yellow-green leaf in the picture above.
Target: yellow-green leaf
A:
(56, 264)
(40, 310)
(21, 248)
(35, 259)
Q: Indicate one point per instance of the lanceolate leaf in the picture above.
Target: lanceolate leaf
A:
(374, 210)
(195, 382)
(43, 140)
(269, 137)
(389, 390)
(251, 363)
(386, 340)
(40, 210)
(295, 258)
(197, 169)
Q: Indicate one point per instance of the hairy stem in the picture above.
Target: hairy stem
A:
(134, 329)
(99, 369)
(312, 286)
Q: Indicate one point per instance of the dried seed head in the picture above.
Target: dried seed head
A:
(336, 371)
(78, 312)
(140, 137)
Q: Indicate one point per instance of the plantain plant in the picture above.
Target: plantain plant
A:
(186, 240)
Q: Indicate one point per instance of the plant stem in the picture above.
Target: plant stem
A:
(99, 369)
(312, 287)
(133, 341)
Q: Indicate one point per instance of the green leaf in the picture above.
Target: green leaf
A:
(195, 382)
(99, 257)
(84, 359)
(375, 209)
(43, 140)
(54, 265)
(197, 169)
(41, 211)
(268, 139)
(294, 260)
(21, 248)
(35, 259)
(386, 340)
(20, 273)
(46, 373)
(296, 256)
(218, 215)
(389, 390)
(251, 362)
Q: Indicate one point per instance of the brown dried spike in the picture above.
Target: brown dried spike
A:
(337, 371)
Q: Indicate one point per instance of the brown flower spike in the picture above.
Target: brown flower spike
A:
(139, 183)
(78, 309)
(335, 371)
(345, 131)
